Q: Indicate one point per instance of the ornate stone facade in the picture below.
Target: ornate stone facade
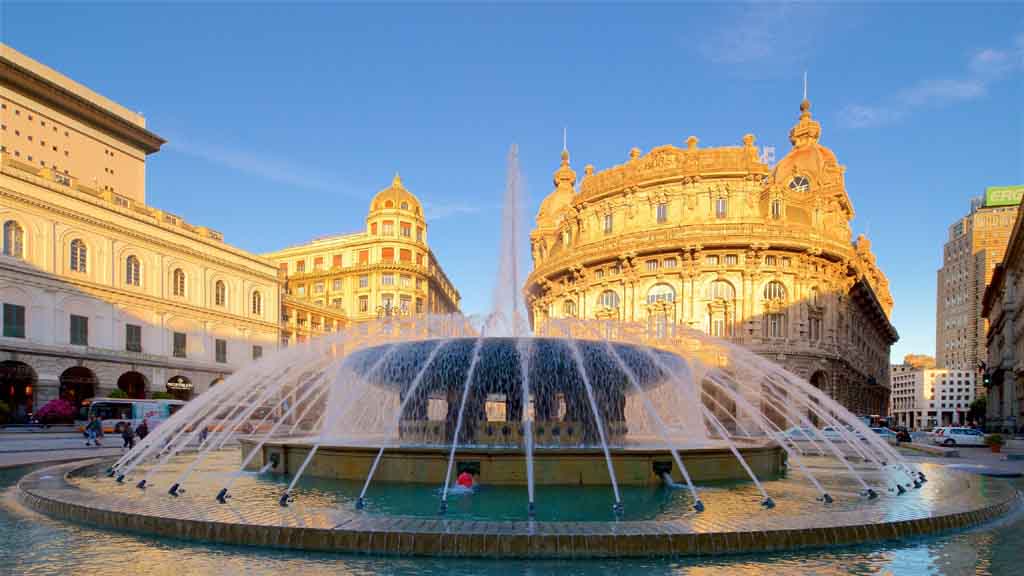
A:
(99, 290)
(714, 239)
(1003, 310)
(388, 269)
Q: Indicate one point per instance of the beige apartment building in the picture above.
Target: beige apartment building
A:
(99, 290)
(386, 270)
(975, 245)
(715, 239)
(924, 396)
(1003, 309)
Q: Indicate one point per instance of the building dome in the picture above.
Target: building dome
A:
(808, 158)
(396, 197)
(565, 181)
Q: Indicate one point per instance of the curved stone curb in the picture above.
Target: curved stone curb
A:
(48, 491)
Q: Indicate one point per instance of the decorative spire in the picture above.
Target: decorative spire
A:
(565, 174)
(807, 130)
(396, 182)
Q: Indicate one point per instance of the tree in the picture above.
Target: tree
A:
(56, 410)
(976, 412)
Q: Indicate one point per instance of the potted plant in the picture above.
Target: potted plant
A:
(995, 442)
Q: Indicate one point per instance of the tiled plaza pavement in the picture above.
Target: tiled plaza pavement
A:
(948, 501)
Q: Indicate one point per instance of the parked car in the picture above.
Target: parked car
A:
(797, 433)
(834, 434)
(886, 434)
(949, 436)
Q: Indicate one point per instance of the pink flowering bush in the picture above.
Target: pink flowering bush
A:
(57, 410)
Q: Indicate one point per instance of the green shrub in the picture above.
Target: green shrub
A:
(161, 395)
(995, 440)
(118, 393)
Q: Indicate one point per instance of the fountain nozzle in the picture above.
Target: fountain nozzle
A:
(698, 506)
(768, 503)
(360, 503)
(871, 494)
(285, 499)
(111, 472)
(900, 489)
(120, 478)
(827, 498)
(222, 496)
(443, 508)
(922, 477)
(174, 489)
(531, 510)
(917, 484)
(141, 485)
(617, 509)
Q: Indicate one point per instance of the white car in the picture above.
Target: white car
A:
(958, 437)
(797, 433)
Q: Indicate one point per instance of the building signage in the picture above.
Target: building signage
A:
(1003, 195)
(179, 383)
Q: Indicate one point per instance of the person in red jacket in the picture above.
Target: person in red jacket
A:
(465, 480)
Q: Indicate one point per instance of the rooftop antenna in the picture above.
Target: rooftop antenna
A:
(805, 84)
(565, 138)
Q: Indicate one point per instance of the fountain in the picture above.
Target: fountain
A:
(649, 442)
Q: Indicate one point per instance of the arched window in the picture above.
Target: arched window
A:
(178, 282)
(661, 293)
(78, 256)
(776, 209)
(774, 290)
(257, 303)
(405, 205)
(609, 299)
(722, 290)
(389, 204)
(800, 184)
(14, 239)
(131, 271)
(219, 293)
(569, 309)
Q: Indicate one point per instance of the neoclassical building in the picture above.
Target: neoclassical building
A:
(714, 239)
(99, 290)
(387, 269)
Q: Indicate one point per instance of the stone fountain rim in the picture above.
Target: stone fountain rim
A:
(50, 492)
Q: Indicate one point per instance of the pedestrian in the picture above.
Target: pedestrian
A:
(142, 430)
(128, 435)
(92, 431)
(98, 423)
(203, 433)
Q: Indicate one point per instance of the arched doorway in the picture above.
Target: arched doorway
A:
(133, 384)
(17, 382)
(820, 381)
(180, 388)
(76, 384)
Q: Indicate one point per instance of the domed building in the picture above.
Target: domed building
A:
(385, 270)
(715, 239)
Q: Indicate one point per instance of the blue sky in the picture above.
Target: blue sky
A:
(283, 119)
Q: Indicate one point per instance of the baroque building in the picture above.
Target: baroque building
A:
(716, 240)
(976, 243)
(1003, 309)
(99, 290)
(387, 269)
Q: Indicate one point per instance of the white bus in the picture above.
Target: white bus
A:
(118, 412)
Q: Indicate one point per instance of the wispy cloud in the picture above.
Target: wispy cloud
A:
(273, 169)
(757, 32)
(984, 68)
(440, 210)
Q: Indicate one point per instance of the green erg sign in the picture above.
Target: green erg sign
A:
(1003, 195)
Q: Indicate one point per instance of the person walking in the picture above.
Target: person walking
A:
(128, 435)
(142, 430)
(93, 430)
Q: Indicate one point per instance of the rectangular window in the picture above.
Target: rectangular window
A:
(257, 352)
(608, 223)
(731, 260)
(405, 255)
(301, 289)
(221, 347)
(300, 266)
(387, 279)
(419, 259)
(387, 254)
(364, 256)
(337, 303)
(662, 213)
(599, 273)
(364, 281)
(336, 285)
(79, 330)
(652, 265)
(711, 260)
(405, 281)
(318, 263)
(364, 303)
(405, 302)
(373, 228)
(336, 261)
(406, 230)
(419, 283)
(721, 207)
(669, 263)
(770, 260)
(318, 288)
(419, 234)
(814, 329)
(785, 262)
(419, 305)
(284, 267)
(133, 338)
(14, 321)
(388, 228)
(180, 345)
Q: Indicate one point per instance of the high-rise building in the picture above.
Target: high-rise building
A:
(716, 240)
(387, 270)
(99, 290)
(975, 245)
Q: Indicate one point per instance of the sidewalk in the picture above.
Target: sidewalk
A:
(12, 460)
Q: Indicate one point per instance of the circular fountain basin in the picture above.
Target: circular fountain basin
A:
(492, 465)
(326, 520)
